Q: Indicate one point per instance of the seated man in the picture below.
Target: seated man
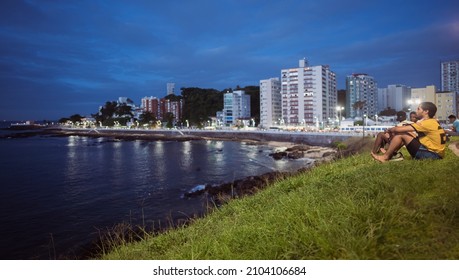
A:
(430, 142)
(455, 127)
(413, 117)
(383, 138)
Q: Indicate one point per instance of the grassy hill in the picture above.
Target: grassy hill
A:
(352, 208)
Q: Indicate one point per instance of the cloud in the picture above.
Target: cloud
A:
(58, 53)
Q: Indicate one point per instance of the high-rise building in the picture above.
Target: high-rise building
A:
(394, 96)
(159, 107)
(446, 104)
(450, 76)
(361, 96)
(151, 104)
(309, 94)
(170, 88)
(236, 106)
(270, 102)
(419, 95)
(450, 81)
(168, 106)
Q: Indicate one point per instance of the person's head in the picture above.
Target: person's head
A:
(401, 116)
(451, 118)
(426, 107)
(413, 117)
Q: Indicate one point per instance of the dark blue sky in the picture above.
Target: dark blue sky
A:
(59, 58)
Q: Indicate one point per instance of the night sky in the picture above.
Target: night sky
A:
(59, 58)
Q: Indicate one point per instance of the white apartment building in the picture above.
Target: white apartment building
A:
(170, 88)
(361, 88)
(446, 104)
(446, 101)
(394, 96)
(236, 106)
(450, 76)
(450, 81)
(419, 95)
(270, 102)
(309, 94)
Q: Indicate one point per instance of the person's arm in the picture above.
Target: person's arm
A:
(455, 126)
(401, 129)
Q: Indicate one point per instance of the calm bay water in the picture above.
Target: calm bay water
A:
(58, 193)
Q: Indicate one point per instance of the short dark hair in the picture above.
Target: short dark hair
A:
(429, 106)
(401, 113)
(412, 113)
(451, 117)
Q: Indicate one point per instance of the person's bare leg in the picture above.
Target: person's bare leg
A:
(381, 140)
(395, 144)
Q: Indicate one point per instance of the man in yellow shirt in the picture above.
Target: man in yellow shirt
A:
(430, 142)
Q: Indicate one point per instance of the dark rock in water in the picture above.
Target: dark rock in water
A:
(278, 155)
(296, 155)
(298, 148)
(302, 151)
(238, 188)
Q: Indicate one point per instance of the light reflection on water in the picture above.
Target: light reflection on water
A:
(67, 189)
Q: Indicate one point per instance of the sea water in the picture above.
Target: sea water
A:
(58, 194)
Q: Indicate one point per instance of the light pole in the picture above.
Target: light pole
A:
(339, 108)
(364, 121)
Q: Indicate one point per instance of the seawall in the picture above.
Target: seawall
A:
(309, 138)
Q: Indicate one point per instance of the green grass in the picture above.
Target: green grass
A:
(353, 208)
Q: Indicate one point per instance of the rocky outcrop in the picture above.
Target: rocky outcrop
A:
(305, 151)
(250, 185)
(238, 188)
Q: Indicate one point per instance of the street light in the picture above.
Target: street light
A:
(364, 122)
(414, 101)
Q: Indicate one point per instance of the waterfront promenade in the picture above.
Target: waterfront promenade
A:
(308, 138)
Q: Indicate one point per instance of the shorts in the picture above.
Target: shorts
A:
(419, 151)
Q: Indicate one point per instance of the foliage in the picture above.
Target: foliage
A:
(173, 97)
(147, 118)
(169, 119)
(339, 145)
(200, 104)
(63, 120)
(113, 112)
(388, 112)
(359, 106)
(254, 92)
(73, 118)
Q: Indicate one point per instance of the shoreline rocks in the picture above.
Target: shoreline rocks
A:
(306, 151)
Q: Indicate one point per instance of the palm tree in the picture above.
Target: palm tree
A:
(147, 118)
(359, 106)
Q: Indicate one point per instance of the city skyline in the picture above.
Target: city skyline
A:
(63, 58)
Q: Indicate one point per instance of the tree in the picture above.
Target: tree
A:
(108, 110)
(169, 118)
(75, 118)
(388, 112)
(254, 92)
(359, 106)
(199, 104)
(123, 110)
(63, 120)
(113, 111)
(147, 118)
